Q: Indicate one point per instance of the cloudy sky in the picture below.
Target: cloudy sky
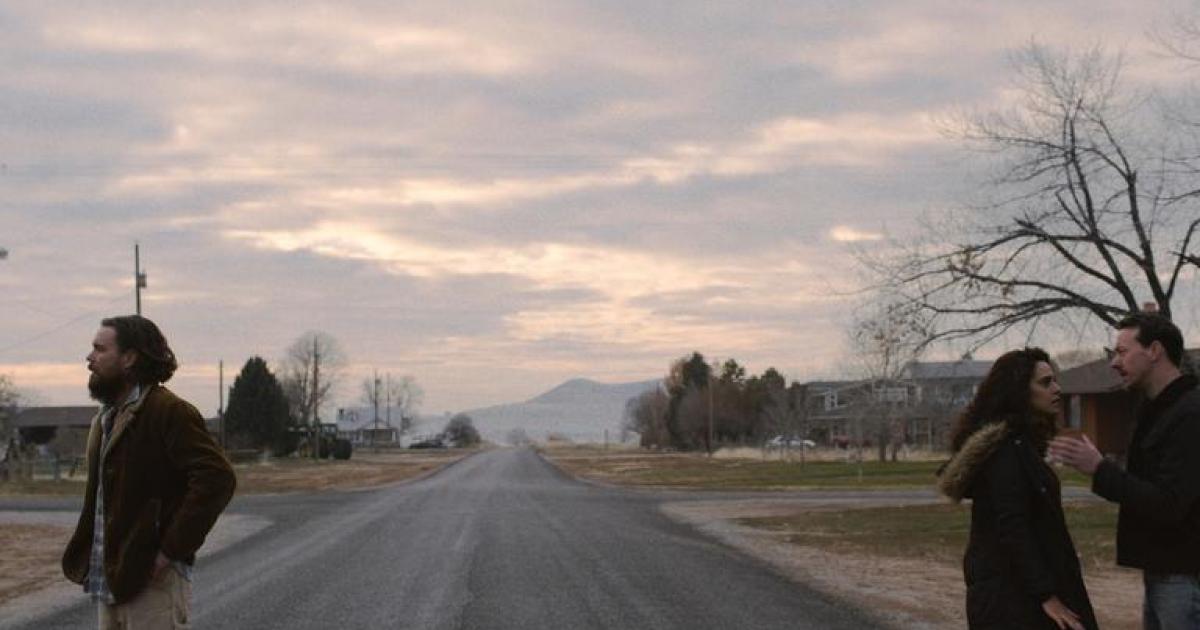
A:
(492, 196)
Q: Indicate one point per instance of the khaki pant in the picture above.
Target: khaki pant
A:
(165, 604)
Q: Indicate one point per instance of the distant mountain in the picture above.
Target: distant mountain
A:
(579, 409)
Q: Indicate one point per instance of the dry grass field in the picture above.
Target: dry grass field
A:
(365, 469)
(751, 469)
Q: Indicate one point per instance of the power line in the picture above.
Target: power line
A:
(47, 333)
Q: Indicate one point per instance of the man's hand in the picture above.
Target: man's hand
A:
(1062, 616)
(160, 562)
(1076, 453)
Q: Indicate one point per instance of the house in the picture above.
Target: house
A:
(359, 426)
(1096, 404)
(55, 431)
(921, 401)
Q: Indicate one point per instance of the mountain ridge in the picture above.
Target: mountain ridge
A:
(579, 409)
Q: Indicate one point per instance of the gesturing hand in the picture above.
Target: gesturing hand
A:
(1079, 454)
(1061, 615)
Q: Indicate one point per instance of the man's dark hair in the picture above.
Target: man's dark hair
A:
(155, 362)
(1153, 327)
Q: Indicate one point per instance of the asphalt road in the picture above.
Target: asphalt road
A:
(499, 540)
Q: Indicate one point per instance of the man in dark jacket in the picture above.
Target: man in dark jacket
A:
(1158, 526)
(156, 483)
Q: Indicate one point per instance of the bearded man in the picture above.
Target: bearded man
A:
(156, 483)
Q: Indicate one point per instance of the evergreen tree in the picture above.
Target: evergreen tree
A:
(257, 416)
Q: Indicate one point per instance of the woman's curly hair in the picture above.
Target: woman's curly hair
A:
(156, 362)
(1003, 396)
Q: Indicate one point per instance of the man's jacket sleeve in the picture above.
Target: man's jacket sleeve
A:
(1171, 496)
(210, 481)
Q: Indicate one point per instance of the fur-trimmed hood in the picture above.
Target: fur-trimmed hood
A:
(954, 479)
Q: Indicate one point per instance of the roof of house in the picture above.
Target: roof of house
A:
(80, 416)
(1096, 377)
(831, 385)
(935, 370)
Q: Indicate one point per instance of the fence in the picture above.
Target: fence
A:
(41, 468)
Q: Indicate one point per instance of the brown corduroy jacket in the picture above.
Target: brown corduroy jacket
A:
(165, 483)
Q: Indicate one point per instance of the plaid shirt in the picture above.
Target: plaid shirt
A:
(96, 584)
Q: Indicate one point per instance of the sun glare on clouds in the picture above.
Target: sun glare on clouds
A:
(847, 234)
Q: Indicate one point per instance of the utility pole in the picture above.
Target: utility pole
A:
(313, 400)
(375, 402)
(710, 415)
(221, 400)
(139, 278)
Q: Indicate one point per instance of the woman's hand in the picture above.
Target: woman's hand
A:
(1060, 614)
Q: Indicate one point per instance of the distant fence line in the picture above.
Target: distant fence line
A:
(55, 468)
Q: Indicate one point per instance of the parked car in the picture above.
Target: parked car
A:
(436, 441)
(779, 442)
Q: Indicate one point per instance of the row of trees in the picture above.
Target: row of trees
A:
(700, 405)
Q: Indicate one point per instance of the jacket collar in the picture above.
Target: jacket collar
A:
(954, 480)
(1158, 418)
(1170, 394)
(125, 416)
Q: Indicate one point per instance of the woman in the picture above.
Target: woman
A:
(1020, 564)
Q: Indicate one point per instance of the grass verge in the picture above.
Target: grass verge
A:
(698, 471)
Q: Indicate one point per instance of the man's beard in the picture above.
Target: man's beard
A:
(105, 389)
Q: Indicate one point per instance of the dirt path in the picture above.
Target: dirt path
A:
(912, 593)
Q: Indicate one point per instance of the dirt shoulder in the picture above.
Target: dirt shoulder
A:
(925, 591)
(364, 470)
(29, 558)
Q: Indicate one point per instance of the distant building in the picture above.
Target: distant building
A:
(56, 431)
(921, 402)
(362, 430)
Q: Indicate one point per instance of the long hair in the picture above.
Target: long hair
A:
(155, 362)
(1003, 396)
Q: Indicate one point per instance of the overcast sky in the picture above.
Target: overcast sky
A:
(490, 196)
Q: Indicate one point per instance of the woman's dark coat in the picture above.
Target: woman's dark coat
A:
(1019, 553)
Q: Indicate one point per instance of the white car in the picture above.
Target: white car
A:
(779, 442)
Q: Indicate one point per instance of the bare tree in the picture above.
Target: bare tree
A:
(312, 369)
(1093, 215)
(404, 396)
(886, 336)
(371, 394)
